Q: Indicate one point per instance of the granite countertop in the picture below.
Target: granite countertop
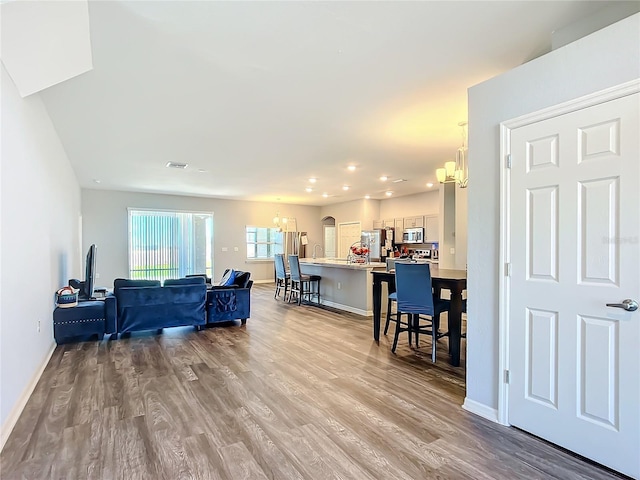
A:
(340, 263)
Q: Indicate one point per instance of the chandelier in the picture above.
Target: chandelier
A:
(287, 224)
(458, 170)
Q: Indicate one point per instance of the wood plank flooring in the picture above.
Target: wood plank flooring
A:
(297, 393)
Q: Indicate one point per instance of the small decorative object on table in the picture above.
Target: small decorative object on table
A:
(359, 253)
(67, 297)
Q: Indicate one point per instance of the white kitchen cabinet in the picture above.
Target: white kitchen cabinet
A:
(399, 226)
(413, 222)
(432, 231)
(388, 223)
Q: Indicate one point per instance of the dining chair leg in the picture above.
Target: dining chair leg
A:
(397, 332)
(416, 326)
(434, 339)
(386, 325)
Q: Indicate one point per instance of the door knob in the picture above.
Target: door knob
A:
(628, 305)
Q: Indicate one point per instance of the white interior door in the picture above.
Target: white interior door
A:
(349, 234)
(574, 246)
(329, 241)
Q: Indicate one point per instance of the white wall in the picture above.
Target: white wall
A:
(426, 203)
(447, 224)
(364, 211)
(104, 219)
(39, 208)
(604, 59)
(461, 222)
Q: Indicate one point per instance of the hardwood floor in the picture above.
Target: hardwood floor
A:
(297, 393)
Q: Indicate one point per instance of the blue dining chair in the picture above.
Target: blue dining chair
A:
(415, 298)
(282, 276)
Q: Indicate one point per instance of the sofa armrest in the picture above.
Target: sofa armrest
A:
(110, 314)
(224, 304)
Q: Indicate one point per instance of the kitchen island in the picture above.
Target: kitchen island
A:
(344, 285)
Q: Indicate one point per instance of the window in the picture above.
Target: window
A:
(263, 243)
(169, 244)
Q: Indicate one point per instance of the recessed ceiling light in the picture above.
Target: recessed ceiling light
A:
(325, 195)
(308, 189)
(351, 168)
(345, 187)
(429, 184)
(384, 178)
(400, 180)
(312, 180)
(367, 197)
(97, 180)
(176, 165)
(202, 170)
(389, 193)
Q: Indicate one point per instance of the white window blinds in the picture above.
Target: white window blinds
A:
(169, 244)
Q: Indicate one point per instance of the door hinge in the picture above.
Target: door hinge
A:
(506, 377)
(507, 269)
(508, 160)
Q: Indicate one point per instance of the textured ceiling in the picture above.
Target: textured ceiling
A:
(259, 96)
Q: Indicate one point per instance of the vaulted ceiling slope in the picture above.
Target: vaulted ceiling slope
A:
(259, 96)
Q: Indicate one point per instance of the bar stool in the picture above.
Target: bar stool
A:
(282, 276)
(301, 284)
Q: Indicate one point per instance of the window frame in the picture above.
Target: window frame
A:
(277, 245)
(170, 210)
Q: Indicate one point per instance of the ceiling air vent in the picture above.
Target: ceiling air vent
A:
(177, 165)
(400, 180)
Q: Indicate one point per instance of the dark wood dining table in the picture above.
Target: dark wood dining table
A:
(453, 280)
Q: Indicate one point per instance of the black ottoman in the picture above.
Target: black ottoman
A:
(93, 317)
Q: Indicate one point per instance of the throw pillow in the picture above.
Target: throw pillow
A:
(228, 278)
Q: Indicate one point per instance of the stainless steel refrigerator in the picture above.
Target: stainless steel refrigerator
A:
(293, 243)
(378, 242)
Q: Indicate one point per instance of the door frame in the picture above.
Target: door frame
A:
(592, 99)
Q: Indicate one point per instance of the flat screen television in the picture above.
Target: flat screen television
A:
(86, 287)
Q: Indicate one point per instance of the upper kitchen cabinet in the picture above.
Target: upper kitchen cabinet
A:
(388, 223)
(432, 231)
(396, 223)
(413, 222)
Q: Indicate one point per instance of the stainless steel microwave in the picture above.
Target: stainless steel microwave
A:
(413, 235)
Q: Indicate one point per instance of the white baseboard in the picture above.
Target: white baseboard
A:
(481, 410)
(264, 281)
(12, 419)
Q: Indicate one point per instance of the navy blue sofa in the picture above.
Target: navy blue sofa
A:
(145, 305)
